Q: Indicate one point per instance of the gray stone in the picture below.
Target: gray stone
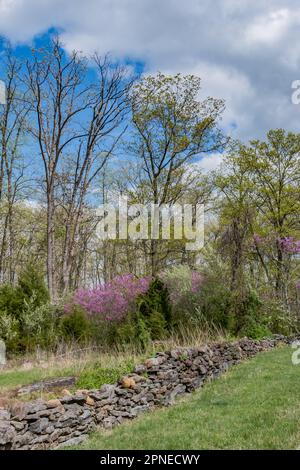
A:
(49, 384)
(4, 415)
(18, 425)
(20, 411)
(123, 414)
(7, 433)
(155, 361)
(41, 439)
(74, 441)
(140, 369)
(39, 426)
(109, 422)
(86, 414)
(23, 439)
(106, 392)
(170, 397)
(137, 410)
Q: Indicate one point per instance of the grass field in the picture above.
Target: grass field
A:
(256, 405)
(92, 368)
(91, 371)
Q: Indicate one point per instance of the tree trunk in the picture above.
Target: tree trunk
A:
(50, 245)
(279, 264)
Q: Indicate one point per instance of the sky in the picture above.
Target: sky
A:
(245, 52)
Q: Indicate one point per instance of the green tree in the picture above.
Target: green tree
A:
(171, 126)
(260, 208)
(31, 284)
(154, 309)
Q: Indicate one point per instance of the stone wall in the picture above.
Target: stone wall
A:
(43, 424)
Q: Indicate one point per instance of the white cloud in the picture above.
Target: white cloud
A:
(247, 52)
(270, 28)
(210, 162)
(206, 164)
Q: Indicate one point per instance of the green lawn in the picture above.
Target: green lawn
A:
(256, 405)
(18, 378)
(90, 373)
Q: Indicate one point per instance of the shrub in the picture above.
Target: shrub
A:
(111, 309)
(254, 329)
(30, 288)
(277, 318)
(11, 300)
(23, 325)
(262, 316)
(34, 327)
(32, 285)
(184, 286)
(9, 330)
(154, 309)
(181, 281)
(114, 300)
(125, 332)
(149, 320)
(214, 302)
(142, 336)
(38, 325)
(75, 326)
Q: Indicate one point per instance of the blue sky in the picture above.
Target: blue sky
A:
(246, 52)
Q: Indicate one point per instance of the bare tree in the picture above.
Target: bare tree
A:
(12, 126)
(74, 125)
(107, 109)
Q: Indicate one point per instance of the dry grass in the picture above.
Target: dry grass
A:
(75, 357)
(91, 365)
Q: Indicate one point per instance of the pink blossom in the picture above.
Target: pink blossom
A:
(257, 239)
(289, 245)
(113, 300)
(181, 283)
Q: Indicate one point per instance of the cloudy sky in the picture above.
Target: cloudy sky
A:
(246, 52)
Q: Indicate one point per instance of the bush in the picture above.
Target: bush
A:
(110, 310)
(142, 335)
(253, 329)
(35, 327)
(75, 326)
(214, 303)
(148, 320)
(32, 285)
(9, 330)
(39, 326)
(114, 300)
(23, 325)
(125, 332)
(263, 316)
(184, 286)
(277, 318)
(11, 300)
(154, 309)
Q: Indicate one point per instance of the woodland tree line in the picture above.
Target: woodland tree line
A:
(78, 131)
